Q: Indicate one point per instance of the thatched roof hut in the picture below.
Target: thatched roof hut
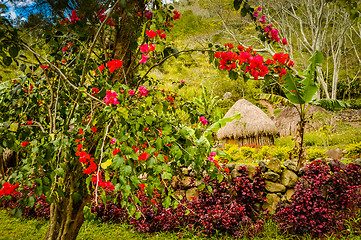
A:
(286, 121)
(254, 127)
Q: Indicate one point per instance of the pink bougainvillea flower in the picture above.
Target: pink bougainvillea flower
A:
(111, 98)
(262, 19)
(259, 9)
(203, 120)
(151, 47)
(255, 14)
(284, 41)
(131, 92)
(114, 64)
(151, 33)
(182, 81)
(213, 154)
(113, 141)
(144, 48)
(144, 58)
(142, 91)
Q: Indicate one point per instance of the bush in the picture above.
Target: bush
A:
(228, 208)
(313, 153)
(354, 150)
(323, 200)
(281, 153)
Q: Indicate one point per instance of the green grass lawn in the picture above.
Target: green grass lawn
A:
(29, 229)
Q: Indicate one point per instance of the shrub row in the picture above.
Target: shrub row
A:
(325, 198)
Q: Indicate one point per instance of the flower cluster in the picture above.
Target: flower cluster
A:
(73, 18)
(114, 65)
(203, 120)
(24, 144)
(111, 98)
(146, 48)
(8, 189)
(142, 91)
(96, 179)
(246, 58)
(152, 34)
(176, 15)
(102, 17)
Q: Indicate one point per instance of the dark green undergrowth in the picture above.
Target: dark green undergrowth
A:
(29, 229)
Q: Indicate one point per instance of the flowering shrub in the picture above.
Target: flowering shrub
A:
(228, 208)
(323, 200)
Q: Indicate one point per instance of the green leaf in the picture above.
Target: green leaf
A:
(7, 60)
(131, 210)
(59, 172)
(138, 215)
(31, 201)
(166, 202)
(175, 204)
(117, 162)
(125, 170)
(14, 51)
(237, 4)
(166, 175)
(220, 177)
(23, 67)
(291, 90)
(233, 75)
(14, 127)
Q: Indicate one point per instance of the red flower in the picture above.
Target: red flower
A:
(176, 15)
(81, 132)
(229, 45)
(142, 186)
(116, 150)
(64, 49)
(73, 17)
(29, 122)
(161, 34)
(284, 41)
(24, 144)
(114, 64)
(153, 201)
(95, 90)
(151, 33)
(143, 156)
(226, 170)
(94, 129)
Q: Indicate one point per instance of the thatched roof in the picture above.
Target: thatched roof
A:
(253, 122)
(286, 121)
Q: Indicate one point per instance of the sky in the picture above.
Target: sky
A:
(12, 12)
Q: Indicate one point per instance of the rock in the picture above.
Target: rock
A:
(271, 176)
(231, 166)
(185, 171)
(289, 178)
(262, 165)
(335, 154)
(302, 170)
(291, 165)
(274, 165)
(289, 194)
(174, 183)
(357, 162)
(271, 202)
(192, 193)
(328, 159)
(251, 171)
(193, 174)
(274, 187)
(180, 193)
(186, 182)
(336, 163)
(234, 173)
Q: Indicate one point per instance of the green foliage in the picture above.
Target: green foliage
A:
(313, 153)
(331, 104)
(281, 153)
(354, 150)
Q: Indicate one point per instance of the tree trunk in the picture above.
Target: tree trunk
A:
(125, 41)
(66, 213)
(66, 219)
